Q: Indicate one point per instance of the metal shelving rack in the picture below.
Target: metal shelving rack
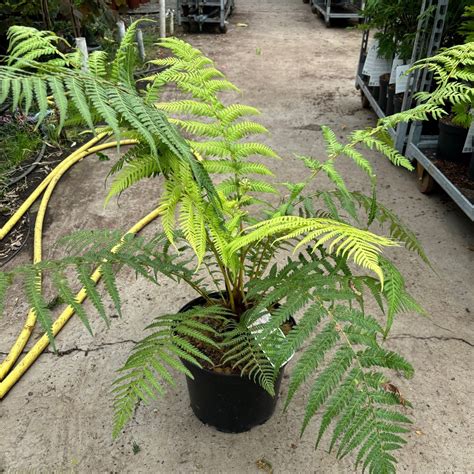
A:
(419, 152)
(333, 9)
(421, 147)
(409, 139)
(200, 12)
(427, 42)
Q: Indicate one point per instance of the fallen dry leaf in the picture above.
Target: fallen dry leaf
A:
(389, 387)
(264, 465)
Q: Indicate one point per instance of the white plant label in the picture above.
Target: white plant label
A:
(375, 66)
(401, 81)
(271, 343)
(393, 75)
(470, 137)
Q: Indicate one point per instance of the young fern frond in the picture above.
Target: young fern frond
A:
(453, 70)
(360, 245)
(28, 44)
(145, 166)
(380, 214)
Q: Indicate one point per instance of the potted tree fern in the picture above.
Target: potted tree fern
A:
(256, 264)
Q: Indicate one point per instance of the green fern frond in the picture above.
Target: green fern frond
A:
(397, 229)
(394, 291)
(361, 246)
(244, 150)
(310, 360)
(97, 63)
(236, 167)
(41, 95)
(243, 351)
(200, 129)
(327, 382)
(83, 272)
(332, 144)
(126, 57)
(232, 112)
(67, 296)
(27, 44)
(76, 92)
(244, 129)
(210, 149)
(193, 226)
(193, 107)
(146, 166)
(148, 368)
(32, 286)
(352, 397)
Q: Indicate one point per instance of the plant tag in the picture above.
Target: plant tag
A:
(468, 146)
(401, 81)
(374, 65)
(393, 75)
(272, 343)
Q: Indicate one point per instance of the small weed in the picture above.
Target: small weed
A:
(136, 448)
(102, 156)
(54, 303)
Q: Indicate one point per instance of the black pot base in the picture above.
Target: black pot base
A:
(229, 402)
(223, 429)
(451, 143)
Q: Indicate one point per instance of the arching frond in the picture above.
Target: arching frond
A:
(360, 245)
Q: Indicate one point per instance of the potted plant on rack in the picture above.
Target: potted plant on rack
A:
(453, 73)
(395, 25)
(254, 263)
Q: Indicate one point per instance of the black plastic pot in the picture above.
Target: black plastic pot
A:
(397, 103)
(384, 78)
(390, 99)
(229, 402)
(430, 127)
(375, 91)
(451, 143)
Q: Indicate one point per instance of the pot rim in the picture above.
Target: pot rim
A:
(190, 305)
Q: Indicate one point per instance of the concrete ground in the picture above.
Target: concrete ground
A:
(301, 75)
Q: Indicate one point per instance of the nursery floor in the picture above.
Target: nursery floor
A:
(301, 75)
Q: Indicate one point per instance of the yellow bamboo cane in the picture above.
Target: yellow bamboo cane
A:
(42, 186)
(52, 179)
(43, 342)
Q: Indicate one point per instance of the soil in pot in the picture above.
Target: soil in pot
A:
(389, 110)
(457, 173)
(384, 78)
(451, 142)
(221, 397)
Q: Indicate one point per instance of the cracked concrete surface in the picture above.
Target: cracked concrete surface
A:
(301, 75)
